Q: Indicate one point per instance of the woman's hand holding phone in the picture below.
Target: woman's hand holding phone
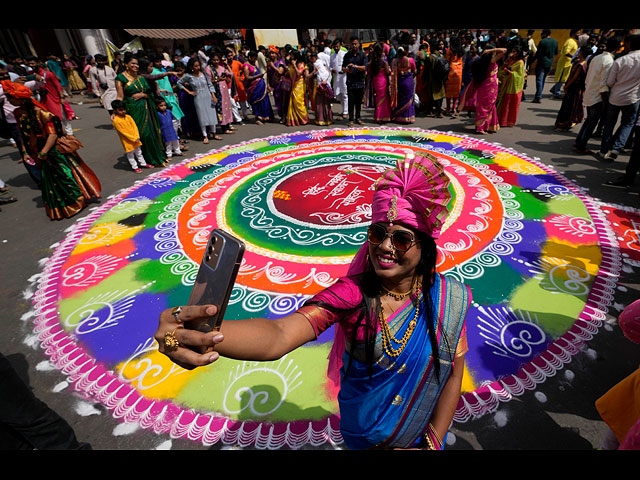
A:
(183, 327)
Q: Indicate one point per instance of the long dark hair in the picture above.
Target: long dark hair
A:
(190, 63)
(31, 124)
(369, 308)
(455, 46)
(376, 58)
(480, 68)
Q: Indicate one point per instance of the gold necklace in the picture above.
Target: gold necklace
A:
(400, 295)
(387, 335)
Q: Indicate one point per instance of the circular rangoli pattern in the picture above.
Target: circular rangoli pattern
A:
(536, 251)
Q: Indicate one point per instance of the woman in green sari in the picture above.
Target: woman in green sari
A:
(67, 183)
(137, 96)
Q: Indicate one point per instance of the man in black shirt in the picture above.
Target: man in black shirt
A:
(354, 65)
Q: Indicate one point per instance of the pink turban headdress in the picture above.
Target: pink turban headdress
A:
(416, 194)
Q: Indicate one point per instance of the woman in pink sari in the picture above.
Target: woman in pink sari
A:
(482, 93)
(398, 356)
(378, 95)
(89, 62)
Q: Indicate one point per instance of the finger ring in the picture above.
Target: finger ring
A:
(175, 312)
(170, 341)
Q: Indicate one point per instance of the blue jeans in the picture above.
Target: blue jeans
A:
(627, 120)
(594, 112)
(541, 76)
(557, 89)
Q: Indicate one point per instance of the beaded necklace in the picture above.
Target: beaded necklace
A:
(387, 336)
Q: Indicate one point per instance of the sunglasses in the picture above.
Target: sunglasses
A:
(401, 240)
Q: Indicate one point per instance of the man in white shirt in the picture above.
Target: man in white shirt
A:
(262, 59)
(202, 56)
(103, 80)
(339, 78)
(414, 45)
(624, 98)
(595, 94)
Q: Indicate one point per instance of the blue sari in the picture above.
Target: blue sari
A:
(392, 408)
(257, 95)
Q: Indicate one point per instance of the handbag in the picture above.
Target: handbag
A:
(285, 83)
(68, 144)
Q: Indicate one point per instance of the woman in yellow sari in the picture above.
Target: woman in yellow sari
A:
(511, 78)
(298, 73)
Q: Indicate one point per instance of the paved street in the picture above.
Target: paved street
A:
(558, 415)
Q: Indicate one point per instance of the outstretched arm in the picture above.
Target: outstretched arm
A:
(256, 339)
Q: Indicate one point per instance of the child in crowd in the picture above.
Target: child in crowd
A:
(129, 135)
(168, 130)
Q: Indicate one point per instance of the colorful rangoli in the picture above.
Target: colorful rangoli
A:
(537, 252)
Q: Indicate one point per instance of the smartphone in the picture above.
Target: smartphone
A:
(216, 276)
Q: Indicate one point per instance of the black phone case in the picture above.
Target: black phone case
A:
(216, 276)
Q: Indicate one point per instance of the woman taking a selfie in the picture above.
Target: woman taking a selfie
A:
(398, 353)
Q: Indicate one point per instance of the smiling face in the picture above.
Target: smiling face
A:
(395, 268)
(132, 66)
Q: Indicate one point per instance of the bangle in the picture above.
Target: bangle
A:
(430, 445)
(432, 431)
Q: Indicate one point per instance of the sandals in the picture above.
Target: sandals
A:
(6, 196)
(7, 199)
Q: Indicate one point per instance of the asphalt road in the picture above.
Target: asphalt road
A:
(558, 415)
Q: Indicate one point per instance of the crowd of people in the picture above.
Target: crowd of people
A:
(157, 102)
(166, 99)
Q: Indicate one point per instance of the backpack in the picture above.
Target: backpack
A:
(441, 69)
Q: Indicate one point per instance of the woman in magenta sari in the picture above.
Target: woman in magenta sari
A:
(400, 340)
(256, 87)
(403, 89)
(482, 93)
(377, 94)
(276, 69)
